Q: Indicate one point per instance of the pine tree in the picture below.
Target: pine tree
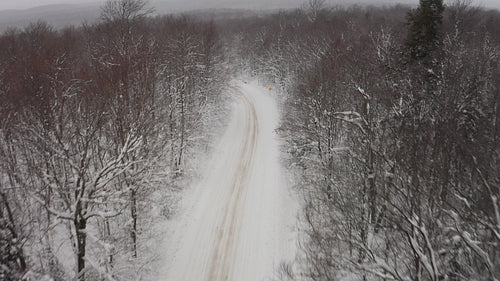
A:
(424, 29)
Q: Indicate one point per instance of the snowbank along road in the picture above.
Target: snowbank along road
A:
(234, 225)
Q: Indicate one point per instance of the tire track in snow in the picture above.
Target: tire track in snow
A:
(224, 251)
(233, 223)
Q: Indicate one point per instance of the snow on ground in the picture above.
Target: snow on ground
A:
(236, 223)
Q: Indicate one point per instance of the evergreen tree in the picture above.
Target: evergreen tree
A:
(424, 29)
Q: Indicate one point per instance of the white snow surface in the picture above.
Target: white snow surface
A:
(237, 223)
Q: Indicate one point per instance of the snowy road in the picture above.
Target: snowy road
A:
(236, 223)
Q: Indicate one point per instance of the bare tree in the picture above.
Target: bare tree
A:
(314, 8)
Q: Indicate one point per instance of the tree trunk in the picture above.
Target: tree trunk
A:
(81, 241)
(108, 230)
(133, 213)
(183, 127)
(10, 225)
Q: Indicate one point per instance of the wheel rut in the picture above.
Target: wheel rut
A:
(224, 251)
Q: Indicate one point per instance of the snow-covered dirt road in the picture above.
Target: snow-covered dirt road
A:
(236, 223)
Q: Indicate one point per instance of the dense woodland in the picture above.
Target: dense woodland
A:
(94, 120)
(390, 117)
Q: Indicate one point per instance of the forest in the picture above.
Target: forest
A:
(389, 122)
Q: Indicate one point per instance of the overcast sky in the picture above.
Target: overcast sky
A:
(24, 4)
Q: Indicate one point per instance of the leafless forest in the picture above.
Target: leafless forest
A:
(389, 117)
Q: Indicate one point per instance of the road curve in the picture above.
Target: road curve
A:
(227, 234)
(233, 227)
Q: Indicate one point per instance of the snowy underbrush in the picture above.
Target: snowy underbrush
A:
(164, 219)
(159, 209)
(117, 247)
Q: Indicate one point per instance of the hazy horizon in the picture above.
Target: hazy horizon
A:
(190, 4)
(187, 5)
(193, 4)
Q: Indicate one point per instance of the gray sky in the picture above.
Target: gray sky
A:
(25, 4)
